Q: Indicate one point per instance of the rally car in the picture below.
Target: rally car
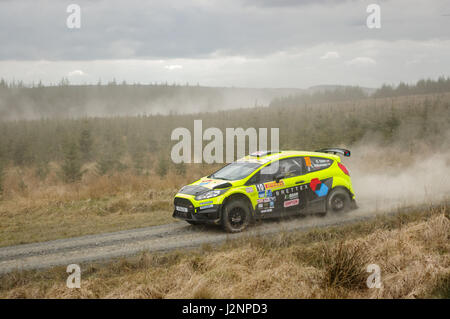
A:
(268, 184)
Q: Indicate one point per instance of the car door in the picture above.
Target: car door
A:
(293, 195)
(265, 182)
(279, 187)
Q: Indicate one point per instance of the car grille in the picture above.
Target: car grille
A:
(183, 202)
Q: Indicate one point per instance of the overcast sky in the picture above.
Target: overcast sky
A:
(244, 43)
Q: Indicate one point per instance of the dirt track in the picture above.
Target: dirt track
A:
(157, 238)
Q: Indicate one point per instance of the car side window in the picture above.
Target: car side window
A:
(288, 167)
(314, 164)
(267, 173)
(253, 180)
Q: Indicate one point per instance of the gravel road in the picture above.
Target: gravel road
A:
(176, 235)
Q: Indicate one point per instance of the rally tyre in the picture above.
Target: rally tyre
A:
(236, 216)
(338, 201)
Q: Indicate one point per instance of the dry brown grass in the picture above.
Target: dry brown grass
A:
(344, 265)
(412, 251)
(34, 210)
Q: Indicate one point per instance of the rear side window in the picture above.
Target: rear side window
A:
(314, 164)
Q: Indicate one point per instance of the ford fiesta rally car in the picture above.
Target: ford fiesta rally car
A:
(267, 185)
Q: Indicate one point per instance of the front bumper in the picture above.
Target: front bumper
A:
(184, 209)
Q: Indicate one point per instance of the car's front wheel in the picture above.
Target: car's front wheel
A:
(236, 216)
(338, 201)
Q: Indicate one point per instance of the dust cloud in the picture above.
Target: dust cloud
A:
(385, 179)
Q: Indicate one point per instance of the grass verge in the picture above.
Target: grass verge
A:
(411, 249)
(26, 221)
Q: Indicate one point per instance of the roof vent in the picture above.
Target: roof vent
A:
(262, 153)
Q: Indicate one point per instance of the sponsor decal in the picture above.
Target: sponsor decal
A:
(291, 190)
(208, 202)
(269, 193)
(261, 194)
(292, 202)
(318, 165)
(260, 205)
(274, 184)
(322, 191)
(272, 205)
(302, 187)
(249, 189)
(314, 183)
(266, 210)
(260, 187)
(207, 206)
(263, 200)
(307, 161)
(253, 160)
(210, 181)
(291, 196)
(318, 187)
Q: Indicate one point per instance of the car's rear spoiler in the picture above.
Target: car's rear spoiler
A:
(335, 150)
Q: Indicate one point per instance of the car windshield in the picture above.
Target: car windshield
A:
(235, 171)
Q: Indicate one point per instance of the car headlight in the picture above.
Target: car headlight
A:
(210, 194)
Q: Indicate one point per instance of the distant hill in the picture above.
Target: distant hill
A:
(324, 88)
(73, 101)
(67, 101)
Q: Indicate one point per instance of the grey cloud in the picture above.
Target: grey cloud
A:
(225, 43)
(291, 3)
(198, 29)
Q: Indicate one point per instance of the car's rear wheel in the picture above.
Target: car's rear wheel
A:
(338, 201)
(236, 216)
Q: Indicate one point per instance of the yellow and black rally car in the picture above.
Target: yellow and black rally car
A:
(268, 184)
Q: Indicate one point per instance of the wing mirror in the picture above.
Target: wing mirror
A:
(278, 178)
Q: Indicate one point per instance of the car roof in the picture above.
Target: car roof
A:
(284, 154)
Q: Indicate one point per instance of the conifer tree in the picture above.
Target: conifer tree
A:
(86, 143)
(71, 167)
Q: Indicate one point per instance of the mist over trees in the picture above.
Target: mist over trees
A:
(427, 86)
(334, 95)
(350, 93)
(142, 144)
(18, 101)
